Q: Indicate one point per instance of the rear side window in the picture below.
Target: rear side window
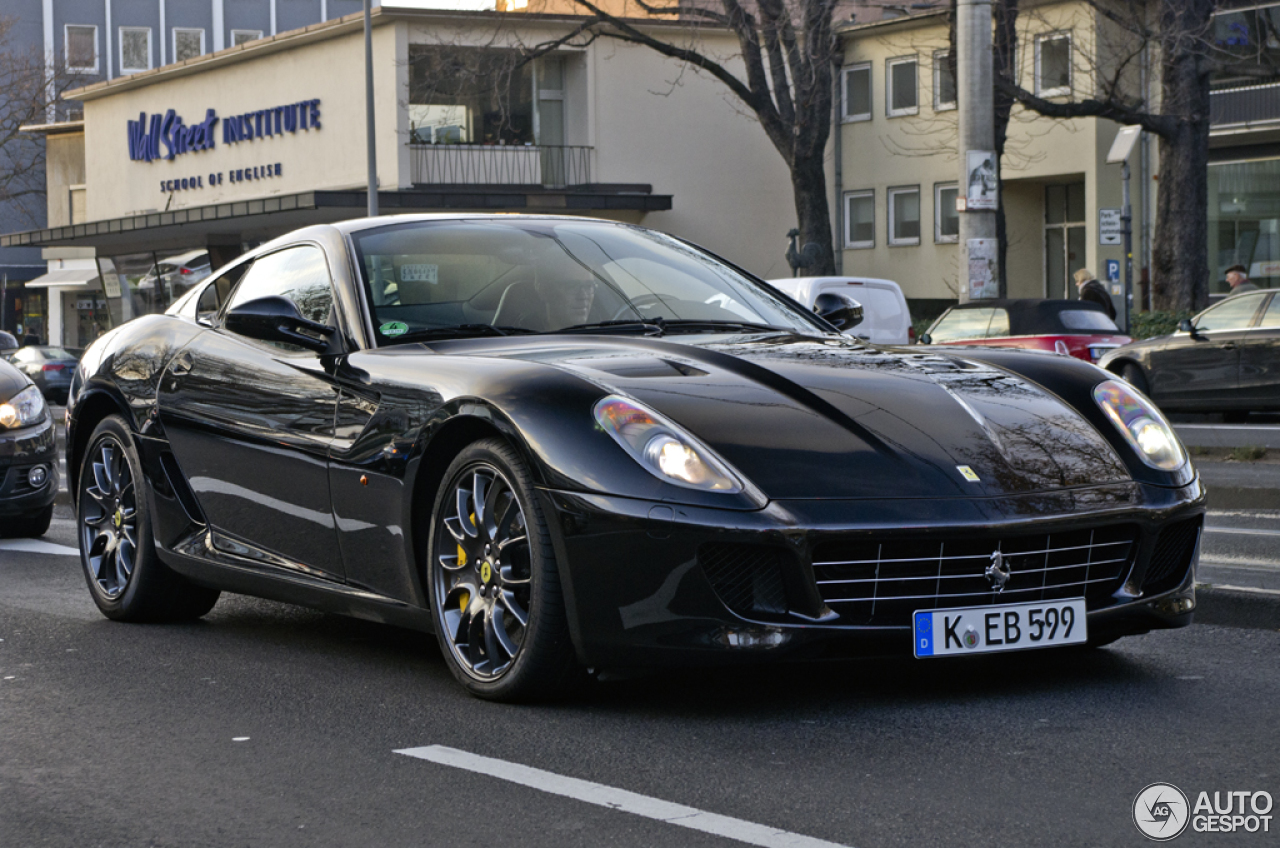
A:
(982, 323)
(1087, 320)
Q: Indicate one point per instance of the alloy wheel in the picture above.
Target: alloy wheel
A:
(483, 572)
(109, 518)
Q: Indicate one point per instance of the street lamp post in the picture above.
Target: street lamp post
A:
(368, 112)
(1121, 149)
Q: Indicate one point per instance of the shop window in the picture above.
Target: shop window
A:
(904, 215)
(135, 49)
(243, 36)
(946, 220)
(1053, 65)
(856, 96)
(1244, 221)
(902, 95)
(1064, 237)
(944, 82)
(860, 219)
(187, 44)
(81, 48)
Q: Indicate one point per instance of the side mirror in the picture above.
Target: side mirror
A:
(1185, 326)
(925, 338)
(277, 319)
(840, 311)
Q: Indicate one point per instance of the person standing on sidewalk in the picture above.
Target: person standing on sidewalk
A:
(1092, 290)
(1238, 279)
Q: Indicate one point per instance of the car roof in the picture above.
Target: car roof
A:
(1031, 316)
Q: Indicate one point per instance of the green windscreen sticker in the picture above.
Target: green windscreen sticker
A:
(391, 329)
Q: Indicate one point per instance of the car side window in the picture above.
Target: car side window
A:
(1271, 318)
(1234, 313)
(216, 293)
(297, 273)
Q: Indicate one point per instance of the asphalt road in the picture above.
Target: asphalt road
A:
(268, 725)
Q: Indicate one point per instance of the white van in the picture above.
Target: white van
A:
(886, 318)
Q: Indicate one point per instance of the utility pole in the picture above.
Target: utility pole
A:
(1121, 149)
(979, 168)
(368, 112)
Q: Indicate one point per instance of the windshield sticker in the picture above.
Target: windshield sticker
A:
(420, 274)
(391, 329)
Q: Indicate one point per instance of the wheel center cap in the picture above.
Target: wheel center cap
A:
(118, 518)
(486, 572)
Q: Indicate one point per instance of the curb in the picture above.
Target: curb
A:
(1237, 606)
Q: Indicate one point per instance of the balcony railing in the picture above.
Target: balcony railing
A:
(1252, 104)
(480, 164)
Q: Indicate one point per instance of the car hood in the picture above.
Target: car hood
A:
(830, 418)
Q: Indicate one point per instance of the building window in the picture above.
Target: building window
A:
(240, 36)
(859, 219)
(1053, 65)
(944, 83)
(82, 48)
(904, 215)
(946, 220)
(135, 49)
(902, 98)
(187, 44)
(856, 101)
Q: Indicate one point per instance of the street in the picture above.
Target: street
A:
(266, 724)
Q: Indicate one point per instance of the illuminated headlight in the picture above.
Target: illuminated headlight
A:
(1142, 425)
(23, 409)
(663, 448)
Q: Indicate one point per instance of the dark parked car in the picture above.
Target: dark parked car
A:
(50, 368)
(1079, 328)
(28, 457)
(1226, 359)
(564, 444)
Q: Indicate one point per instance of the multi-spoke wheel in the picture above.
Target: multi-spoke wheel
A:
(126, 578)
(492, 575)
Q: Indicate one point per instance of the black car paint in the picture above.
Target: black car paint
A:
(22, 449)
(318, 479)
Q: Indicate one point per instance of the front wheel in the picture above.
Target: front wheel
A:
(126, 578)
(491, 572)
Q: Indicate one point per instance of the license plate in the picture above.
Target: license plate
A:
(1007, 627)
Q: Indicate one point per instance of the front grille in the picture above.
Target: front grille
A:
(1172, 556)
(882, 581)
(748, 578)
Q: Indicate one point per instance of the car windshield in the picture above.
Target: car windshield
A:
(543, 276)
(980, 322)
(55, 353)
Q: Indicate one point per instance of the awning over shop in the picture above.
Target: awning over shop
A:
(64, 279)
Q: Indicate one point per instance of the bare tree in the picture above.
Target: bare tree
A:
(30, 86)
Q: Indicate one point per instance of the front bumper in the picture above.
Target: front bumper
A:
(646, 583)
(22, 451)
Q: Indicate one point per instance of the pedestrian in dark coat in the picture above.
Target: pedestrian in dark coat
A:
(1091, 289)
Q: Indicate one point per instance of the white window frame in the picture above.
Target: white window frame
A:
(845, 117)
(66, 47)
(889, 65)
(940, 65)
(256, 33)
(855, 195)
(1061, 91)
(938, 206)
(893, 193)
(120, 46)
(174, 39)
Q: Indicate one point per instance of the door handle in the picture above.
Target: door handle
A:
(181, 364)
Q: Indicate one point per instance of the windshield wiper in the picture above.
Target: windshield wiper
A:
(460, 330)
(651, 327)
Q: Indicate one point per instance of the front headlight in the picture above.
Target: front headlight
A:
(23, 409)
(663, 448)
(1143, 426)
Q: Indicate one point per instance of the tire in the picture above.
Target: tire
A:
(126, 578)
(1132, 374)
(29, 525)
(487, 569)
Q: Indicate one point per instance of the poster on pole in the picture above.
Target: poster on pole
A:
(983, 186)
(983, 282)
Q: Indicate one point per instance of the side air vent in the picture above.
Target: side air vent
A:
(178, 483)
(1172, 556)
(748, 578)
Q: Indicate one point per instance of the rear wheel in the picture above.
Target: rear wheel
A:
(1133, 375)
(126, 578)
(491, 571)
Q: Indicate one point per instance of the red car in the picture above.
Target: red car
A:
(1073, 327)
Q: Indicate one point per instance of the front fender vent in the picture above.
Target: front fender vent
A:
(1172, 556)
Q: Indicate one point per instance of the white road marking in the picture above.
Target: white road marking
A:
(618, 799)
(37, 546)
(1243, 531)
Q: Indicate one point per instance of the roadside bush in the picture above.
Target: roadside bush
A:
(1144, 325)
